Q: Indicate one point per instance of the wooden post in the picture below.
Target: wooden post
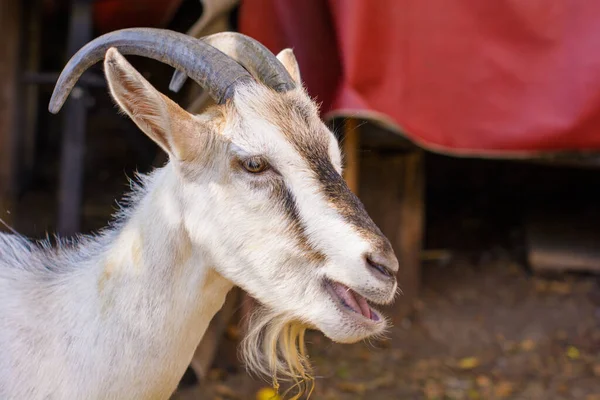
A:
(392, 189)
(31, 46)
(70, 193)
(351, 146)
(10, 18)
(206, 351)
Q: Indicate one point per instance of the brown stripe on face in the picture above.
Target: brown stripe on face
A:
(344, 201)
(298, 120)
(286, 200)
(303, 128)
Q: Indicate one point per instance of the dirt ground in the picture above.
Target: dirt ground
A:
(483, 329)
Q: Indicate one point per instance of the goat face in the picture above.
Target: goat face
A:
(262, 195)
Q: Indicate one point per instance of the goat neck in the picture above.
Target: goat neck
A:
(156, 288)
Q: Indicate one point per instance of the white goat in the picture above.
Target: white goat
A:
(252, 196)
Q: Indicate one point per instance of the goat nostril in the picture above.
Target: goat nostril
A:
(382, 269)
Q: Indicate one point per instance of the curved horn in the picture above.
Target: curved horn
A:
(251, 54)
(213, 70)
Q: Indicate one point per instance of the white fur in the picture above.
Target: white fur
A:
(62, 336)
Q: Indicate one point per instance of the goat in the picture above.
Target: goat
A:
(252, 195)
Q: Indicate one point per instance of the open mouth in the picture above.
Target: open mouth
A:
(352, 300)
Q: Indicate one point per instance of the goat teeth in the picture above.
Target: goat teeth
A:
(374, 316)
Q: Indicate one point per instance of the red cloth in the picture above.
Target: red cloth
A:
(110, 15)
(459, 76)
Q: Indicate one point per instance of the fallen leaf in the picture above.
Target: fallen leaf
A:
(541, 286)
(454, 394)
(397, 354)
(365, 355)
(473, 394)
(483, 381)
(567, 369)
(419, 305)
(503, 389)
(553, 287)
(342, 372)
(560, 287)
(527, 345)
(433, 390)
(267, 393)
(573, 353)
(216, 374)
(352, 387)
(233, 332)
(509, 347)
(563, 388)
(382, 381)
(515, 269)
(468, 363)
(533, 390)
(226, 392)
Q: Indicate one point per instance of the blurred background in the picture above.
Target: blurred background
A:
(471, 132)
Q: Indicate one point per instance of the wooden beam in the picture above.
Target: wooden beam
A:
(351, 147)
(10, 19)
(559, 242)
(214, 17)
(206, 351)
(392, 189)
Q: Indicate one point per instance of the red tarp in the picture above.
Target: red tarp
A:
(459, 76)
(110, 15)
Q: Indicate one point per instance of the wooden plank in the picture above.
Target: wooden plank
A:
(10, 18)
(561, 243)
(351, 148)
(392, 189)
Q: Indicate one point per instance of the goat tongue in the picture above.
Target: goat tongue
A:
(364, 307)
(353, 300)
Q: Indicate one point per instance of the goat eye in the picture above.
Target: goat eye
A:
(255, 165)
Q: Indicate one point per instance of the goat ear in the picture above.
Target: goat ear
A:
(287, 58)
(154, 113)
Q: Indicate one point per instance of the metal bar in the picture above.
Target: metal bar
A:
(74, 129)
(50, 78)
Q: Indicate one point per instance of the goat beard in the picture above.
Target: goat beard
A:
(274, 346)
